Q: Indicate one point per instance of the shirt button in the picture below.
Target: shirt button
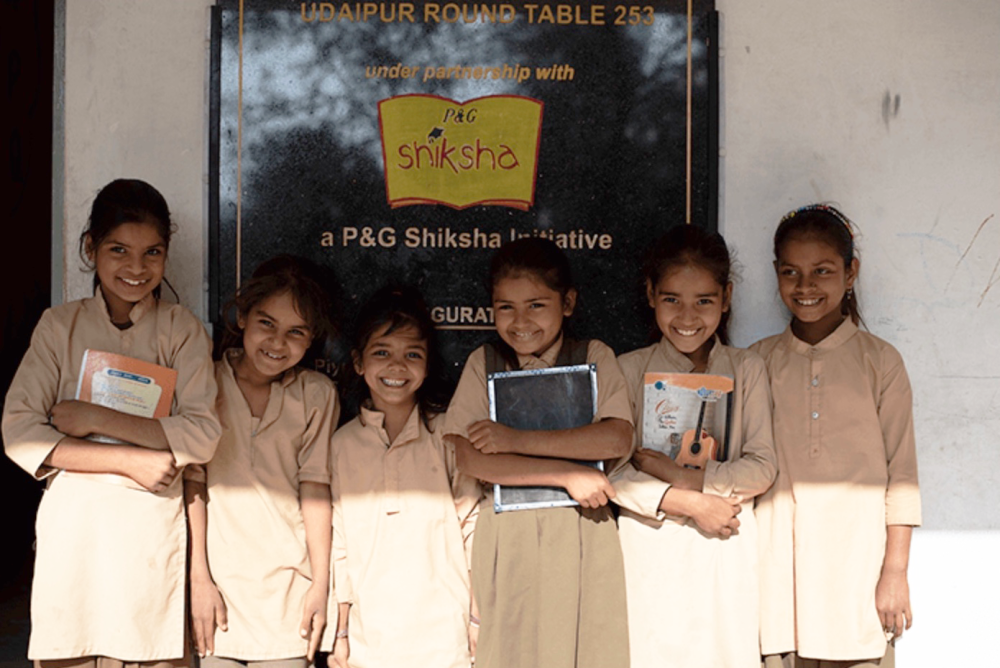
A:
(815, 381)
(815, 415)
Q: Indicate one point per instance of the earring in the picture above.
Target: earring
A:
(850, 293)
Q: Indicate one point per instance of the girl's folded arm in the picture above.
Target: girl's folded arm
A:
(610, 438)
(586, 485)
(754, 471)
(638, 491)
(152, 469)
(28, 435)
(193, 428)
(715, 515)
(81, 419)
(508, 469)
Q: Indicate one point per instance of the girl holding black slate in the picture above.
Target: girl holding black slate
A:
(686, 551)
(548, 582)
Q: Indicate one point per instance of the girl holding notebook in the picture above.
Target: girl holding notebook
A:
(690, 553)
(548, 582)
(109, 564)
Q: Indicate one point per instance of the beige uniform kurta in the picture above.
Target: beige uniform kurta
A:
(693, 599)
(256, 539)
(110, 560)
(550, 582)
(843, 426)
(402, 515)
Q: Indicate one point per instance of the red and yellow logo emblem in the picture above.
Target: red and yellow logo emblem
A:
(480, 152)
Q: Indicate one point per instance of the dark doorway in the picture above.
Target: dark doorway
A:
(26, 33)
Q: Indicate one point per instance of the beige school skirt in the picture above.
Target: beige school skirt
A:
(550, 585)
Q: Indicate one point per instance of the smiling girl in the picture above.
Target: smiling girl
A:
(839, 517)
(548, 582)
(109, 573)
(403, 513)
(685, 548)
(260, 510)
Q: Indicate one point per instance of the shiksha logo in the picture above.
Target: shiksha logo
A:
(461, 154)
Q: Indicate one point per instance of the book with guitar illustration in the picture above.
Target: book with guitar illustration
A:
(127, 385)
(686, 416)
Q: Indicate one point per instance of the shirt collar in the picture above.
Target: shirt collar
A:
(286, 379)
(834, 340)
(375, 419)
(139, 309)
(679, 360)
(543, 361)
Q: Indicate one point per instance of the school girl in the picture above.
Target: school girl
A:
(260, 509)
(108, 583)
(549, 583)
(836, 525)
(690, 553)
(403, 513)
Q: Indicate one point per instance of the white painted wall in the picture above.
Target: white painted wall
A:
(804, 86)
(136, 105)
(804, 119)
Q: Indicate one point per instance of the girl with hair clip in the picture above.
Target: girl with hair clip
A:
(688, 534)
(403, 513)
(836, 525)
(260, 510)
(109, 577)
(549, 582)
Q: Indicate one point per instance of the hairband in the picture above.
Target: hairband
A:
(825, 208)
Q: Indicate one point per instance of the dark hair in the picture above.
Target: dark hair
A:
(124, 201)
(298, 277)
(684, 245)
(537, 257)
(392, 308)
(826, 224)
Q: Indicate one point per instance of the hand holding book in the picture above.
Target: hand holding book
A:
(588, 487)
(661, 466)
(154, 470)
(76, 418)
(493, 438)
(118, 402)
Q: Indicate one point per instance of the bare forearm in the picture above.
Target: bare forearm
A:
(133, 429)
(607, 439)
(678, 476)
(514, 470)
(897, 548)
(343, 614)
(195, 498)
(83, 456)
(679, 502)
(315, 499)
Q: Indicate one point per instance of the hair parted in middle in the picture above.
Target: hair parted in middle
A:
(684, 245)
(827, 224)
(390, 309)
(538, 257)
(303, 281)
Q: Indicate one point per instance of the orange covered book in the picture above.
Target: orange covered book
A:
(127, 385)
